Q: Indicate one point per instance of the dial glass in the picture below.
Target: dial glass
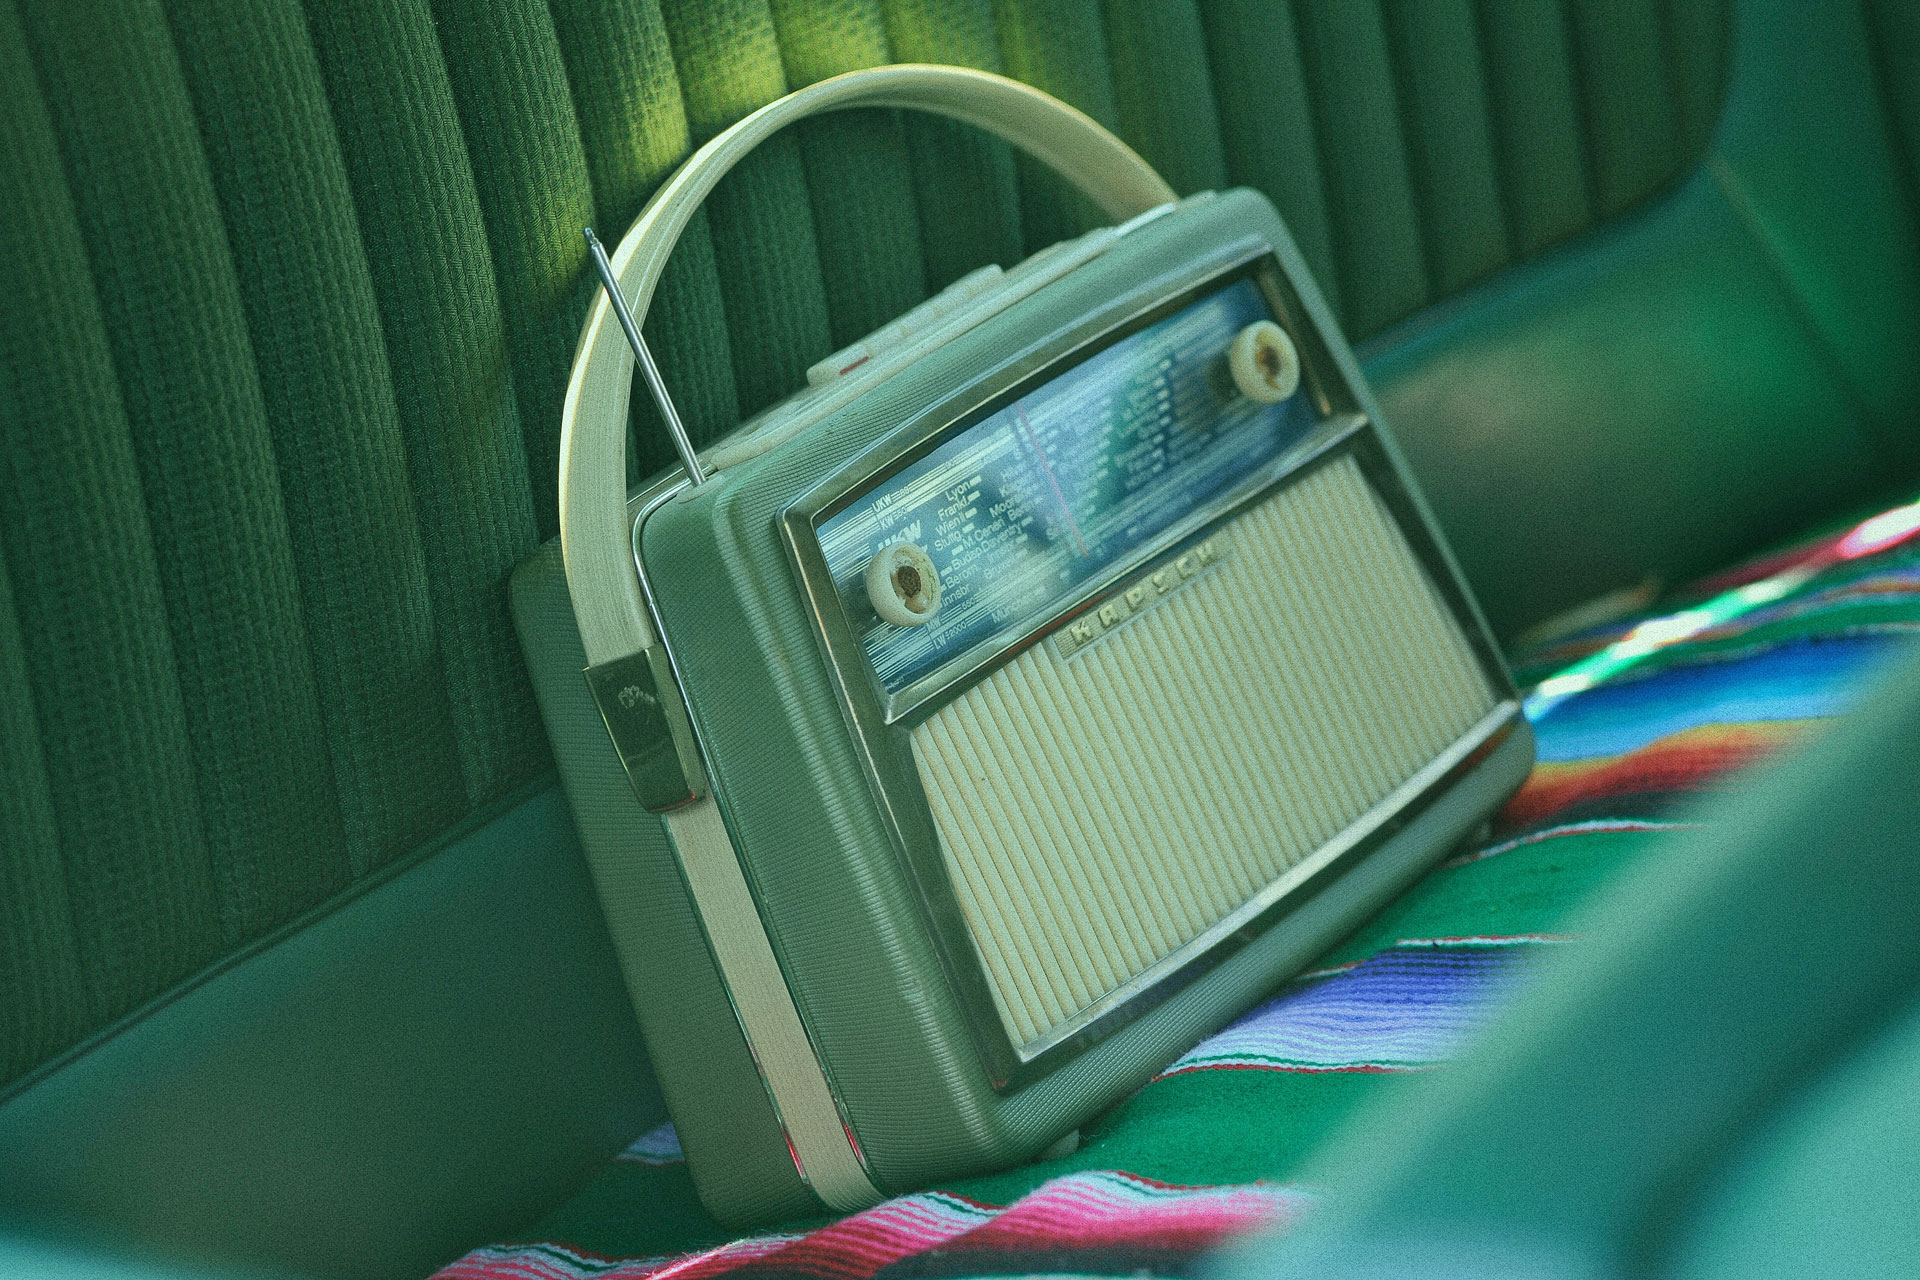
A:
(1032, 497)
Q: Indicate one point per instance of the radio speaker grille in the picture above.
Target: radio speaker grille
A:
(1097, 813)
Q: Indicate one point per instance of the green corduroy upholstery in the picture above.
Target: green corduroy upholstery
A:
(292, 295)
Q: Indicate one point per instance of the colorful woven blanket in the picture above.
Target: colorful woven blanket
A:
(1632, 721)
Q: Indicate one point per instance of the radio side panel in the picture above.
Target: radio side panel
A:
(706, 1072)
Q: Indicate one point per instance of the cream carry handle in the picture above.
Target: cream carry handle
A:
(594, 534)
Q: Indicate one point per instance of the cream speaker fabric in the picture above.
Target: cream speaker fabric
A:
(1098, 813)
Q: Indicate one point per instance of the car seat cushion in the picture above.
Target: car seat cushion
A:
(1634, 720)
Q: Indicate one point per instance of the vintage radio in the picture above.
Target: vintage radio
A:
(1069, 663)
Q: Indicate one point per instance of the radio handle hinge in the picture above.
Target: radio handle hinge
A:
(645, 715)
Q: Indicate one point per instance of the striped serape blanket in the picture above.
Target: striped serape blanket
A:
(1632, 720)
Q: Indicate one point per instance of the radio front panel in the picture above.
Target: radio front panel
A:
(1177, 649)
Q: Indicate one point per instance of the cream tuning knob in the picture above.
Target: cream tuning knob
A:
(1263, 362)
(903, 585)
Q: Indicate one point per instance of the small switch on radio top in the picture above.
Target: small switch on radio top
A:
(1264, 364)
(903, 585)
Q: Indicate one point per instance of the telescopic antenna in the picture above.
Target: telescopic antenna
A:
(651, 371)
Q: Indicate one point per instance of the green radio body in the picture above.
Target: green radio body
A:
(907, 1017)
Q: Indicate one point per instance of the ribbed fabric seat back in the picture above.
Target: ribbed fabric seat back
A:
(292, 293)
